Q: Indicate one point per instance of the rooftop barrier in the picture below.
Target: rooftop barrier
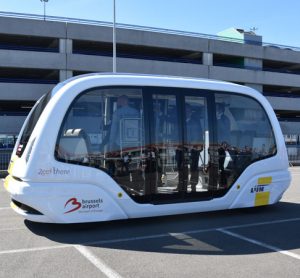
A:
(143, 28)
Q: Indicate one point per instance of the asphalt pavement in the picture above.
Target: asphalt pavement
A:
(259, 242)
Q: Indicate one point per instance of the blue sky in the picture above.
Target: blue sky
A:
(277, 21)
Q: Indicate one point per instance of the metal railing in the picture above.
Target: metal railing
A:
(293, 154)
(143, 28)
(4, 161)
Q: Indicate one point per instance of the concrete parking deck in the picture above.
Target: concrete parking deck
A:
(261, 242)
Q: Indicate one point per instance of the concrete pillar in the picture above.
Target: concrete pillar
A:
(207, 59)
(257, 87)
(253, 64)
(65, 74)
(65, 46)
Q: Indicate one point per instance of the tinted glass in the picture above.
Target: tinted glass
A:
(163, 172)
(104, 129)
(195, 148)
(244, 135)
(35, 115)
(166, 147)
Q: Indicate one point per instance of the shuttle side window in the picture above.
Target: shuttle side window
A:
(244, 135)
(104, 129)
(172, 149)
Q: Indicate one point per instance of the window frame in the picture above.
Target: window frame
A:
(180, 93)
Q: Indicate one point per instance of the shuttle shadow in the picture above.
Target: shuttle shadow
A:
(187, 234)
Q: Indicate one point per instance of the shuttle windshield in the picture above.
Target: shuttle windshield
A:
(33, 118)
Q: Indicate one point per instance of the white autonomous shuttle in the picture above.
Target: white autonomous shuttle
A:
(102, 147)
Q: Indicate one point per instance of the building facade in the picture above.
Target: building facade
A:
(36, 54)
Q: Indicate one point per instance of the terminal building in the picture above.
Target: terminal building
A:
(36, 54)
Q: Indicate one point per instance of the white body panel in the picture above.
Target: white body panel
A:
(54, 188)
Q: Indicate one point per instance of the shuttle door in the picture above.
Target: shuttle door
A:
(177, 155)
(195, 178)
(161, 171)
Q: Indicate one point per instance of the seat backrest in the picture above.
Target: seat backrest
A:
(75, 144)
(130, 132)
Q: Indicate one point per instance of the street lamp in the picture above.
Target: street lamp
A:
(114, 39)
(44, 1)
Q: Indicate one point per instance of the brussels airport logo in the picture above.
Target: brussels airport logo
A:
(85, 205)
(73, 205)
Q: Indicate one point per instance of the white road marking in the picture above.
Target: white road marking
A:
(12, 229)
(5, 208)
(97, 262)
(261, 223)
(256, 242)
(149, 236)
(111, 241)
(24, 250)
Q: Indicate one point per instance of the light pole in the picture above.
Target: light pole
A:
(44, 1)
(114, 38)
